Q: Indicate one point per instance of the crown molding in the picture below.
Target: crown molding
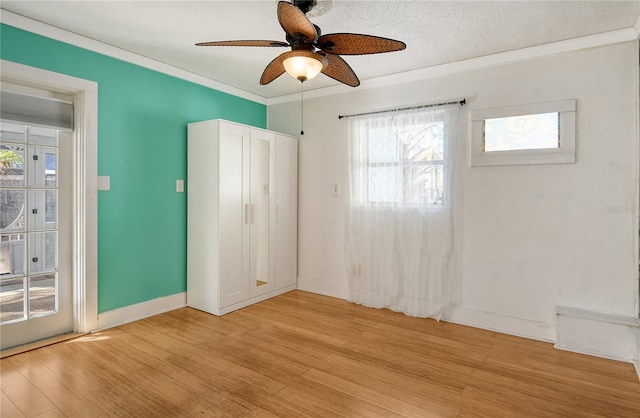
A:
(40, 28)
(575, 44)
(538, 51)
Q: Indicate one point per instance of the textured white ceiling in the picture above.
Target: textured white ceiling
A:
(436, 32)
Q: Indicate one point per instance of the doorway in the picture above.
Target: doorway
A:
(48, 272)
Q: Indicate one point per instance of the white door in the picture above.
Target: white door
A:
(286, 224)
(36, 233)
(234, 213)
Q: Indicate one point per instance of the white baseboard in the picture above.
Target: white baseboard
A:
(598, 334)
(120, 316)
(458, 315)
(636, 364)
(253, 300)
(321, 287)
(500, 323)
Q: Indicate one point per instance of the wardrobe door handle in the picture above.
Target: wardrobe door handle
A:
(246, 213)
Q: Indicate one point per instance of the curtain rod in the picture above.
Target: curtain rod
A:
(460, 102)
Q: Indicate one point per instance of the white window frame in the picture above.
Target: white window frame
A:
(565, 153)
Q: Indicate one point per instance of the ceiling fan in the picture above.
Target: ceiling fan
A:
(311, 52)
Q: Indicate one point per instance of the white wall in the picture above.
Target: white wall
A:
(530, 238)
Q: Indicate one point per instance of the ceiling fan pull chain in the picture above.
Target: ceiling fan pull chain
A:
(301, 108)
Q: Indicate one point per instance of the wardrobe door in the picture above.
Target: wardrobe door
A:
(261, 264)
(234, 213)
(286, 222)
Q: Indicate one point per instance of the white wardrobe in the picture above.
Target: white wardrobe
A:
(242, 215)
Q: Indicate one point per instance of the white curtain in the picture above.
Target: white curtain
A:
(399, 228)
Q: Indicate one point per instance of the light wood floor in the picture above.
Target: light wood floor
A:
(302, 355)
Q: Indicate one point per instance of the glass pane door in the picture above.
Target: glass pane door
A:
(29, 229)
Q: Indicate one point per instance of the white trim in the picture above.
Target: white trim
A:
(487, 61)
(500, 323)
(525, 109)
(321, 287)
(253, 300)
(636, 364)
(636, 188)
(85, 206)
(39, 28)
(120, 316)
(598, 316)
(598, 334)
(590, 352)
(575, 44)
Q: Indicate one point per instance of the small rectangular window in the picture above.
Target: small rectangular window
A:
(540, 133)
(516, 133)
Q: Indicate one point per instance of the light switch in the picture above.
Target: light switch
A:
(335, 189)
(180, 186)
(104, 183)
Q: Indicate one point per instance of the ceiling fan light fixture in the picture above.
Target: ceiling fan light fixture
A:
(312, 53)
(303, 67)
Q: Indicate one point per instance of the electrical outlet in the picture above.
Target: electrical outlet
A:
(335, 189)
(180, 186)
(355, 269)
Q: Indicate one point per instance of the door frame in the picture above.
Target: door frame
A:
(85, 182)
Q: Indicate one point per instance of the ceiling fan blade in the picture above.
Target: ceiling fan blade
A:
(243, 43)
(295, 23)
(274, 70)
(356, 44)
(339, 70)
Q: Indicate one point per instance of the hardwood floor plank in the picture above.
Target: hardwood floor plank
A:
(563, 394)
(8, 409)
(518, 404)
(409, 344)
(566, 369)
(54, 413)
(316, 395)
(376, 377)
(306, 355)
(63, 394)
(563, 384)
(24, 395)
(411, 363)
(399, 401)
(509, 347)
(269, 363)
(260, 413)
(434, 341)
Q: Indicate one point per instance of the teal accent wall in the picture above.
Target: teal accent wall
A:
(142, 146)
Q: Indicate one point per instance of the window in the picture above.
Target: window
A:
(541, 133)
(402, 158)
(405, 164)
(516, 133)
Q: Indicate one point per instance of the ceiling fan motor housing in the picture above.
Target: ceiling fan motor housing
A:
(305, 5)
